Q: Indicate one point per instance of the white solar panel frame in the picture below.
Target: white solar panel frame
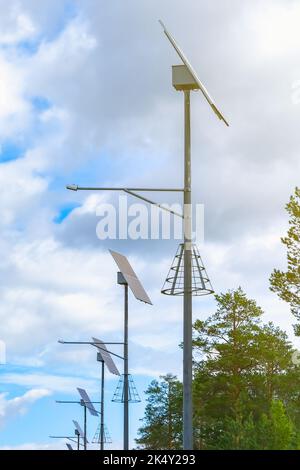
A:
(186, 62)
(77, 426)
(131, 278)
(87, 401)
(106, 356)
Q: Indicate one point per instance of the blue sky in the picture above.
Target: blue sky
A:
(86, 98)
(10, 151)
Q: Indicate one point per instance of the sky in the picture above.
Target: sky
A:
(86, 97)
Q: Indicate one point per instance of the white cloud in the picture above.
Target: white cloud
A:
(61, 60)
(14, 407)
(54, 383)
(16, 24)
(276, 29)
(56, 292)
(21, 187)
(10, 85)
(62, 293)
(14, 110)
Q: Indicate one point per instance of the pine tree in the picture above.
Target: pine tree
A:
(228, 339)
(273, 430)
(242, 367)
(162, 424)
(287, 284)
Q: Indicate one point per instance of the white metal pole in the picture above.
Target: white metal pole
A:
(126, 394)
(102, 407)
(187, 299)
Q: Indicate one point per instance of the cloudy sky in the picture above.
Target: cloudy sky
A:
(86, 97)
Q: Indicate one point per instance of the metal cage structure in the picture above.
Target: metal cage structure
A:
(174, 283)
(133, 396)
(97, 437)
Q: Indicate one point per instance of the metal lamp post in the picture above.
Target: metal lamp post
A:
(127, 278)
(187, 299)
(122, 282)
(186, 80)
(99, 359)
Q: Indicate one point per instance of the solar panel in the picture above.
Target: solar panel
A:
(195, 77)
(81, 433)
(87, 401)
(130, 277)
(106, 357)
(69, 446)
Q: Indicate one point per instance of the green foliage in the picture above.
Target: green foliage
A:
(287, 284)
(246, 388)
(271, 431)
(162, 423)
(243, 365)
(279, 427)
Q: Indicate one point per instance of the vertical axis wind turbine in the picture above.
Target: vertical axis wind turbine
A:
(186, 80)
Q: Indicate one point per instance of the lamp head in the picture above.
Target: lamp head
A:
(72, 187)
